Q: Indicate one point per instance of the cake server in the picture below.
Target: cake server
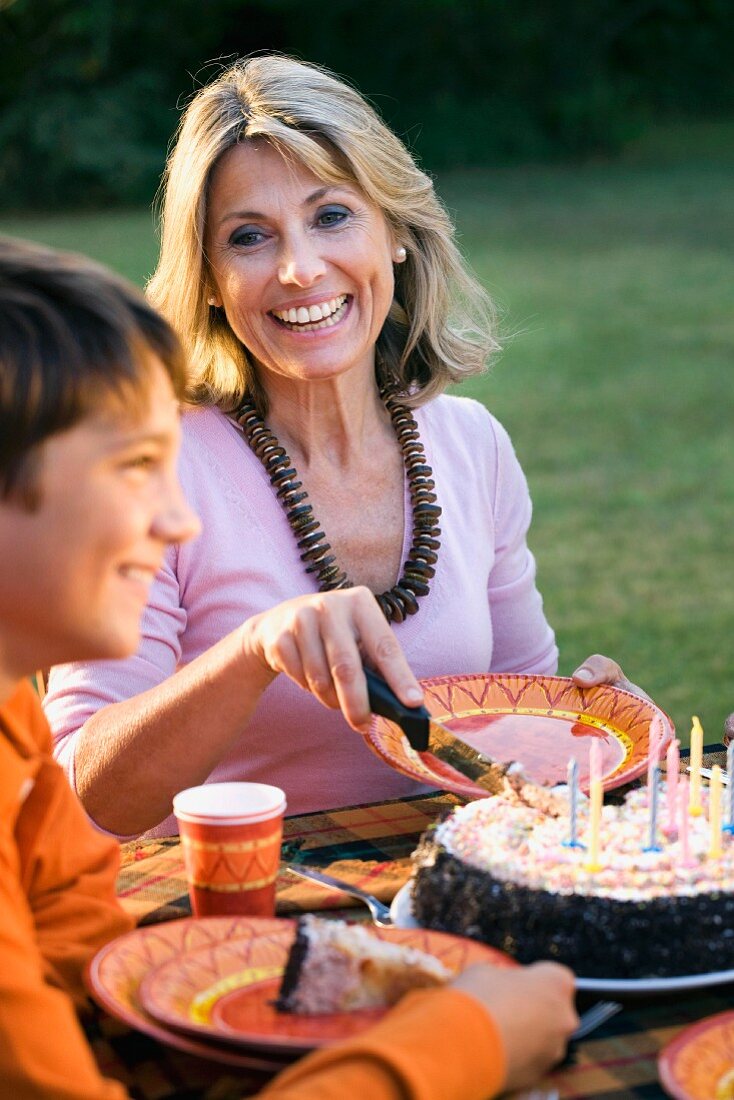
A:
(707, 773)
(433, 741)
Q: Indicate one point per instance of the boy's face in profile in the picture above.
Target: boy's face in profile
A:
(76, 571)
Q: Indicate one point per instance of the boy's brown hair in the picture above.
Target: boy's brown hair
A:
(74, 337)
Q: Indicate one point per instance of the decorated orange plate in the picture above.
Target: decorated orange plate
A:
(539, 721)
(225, 990)
(113, 978)
(699, 1063)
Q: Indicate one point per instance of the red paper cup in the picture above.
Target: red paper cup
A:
(231, 834)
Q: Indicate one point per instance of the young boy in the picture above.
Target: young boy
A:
(90, 379)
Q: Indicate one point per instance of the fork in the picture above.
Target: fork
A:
(380, 912)
(594, 1017)
(589, 1021)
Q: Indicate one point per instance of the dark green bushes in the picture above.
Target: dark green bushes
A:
(89, 88)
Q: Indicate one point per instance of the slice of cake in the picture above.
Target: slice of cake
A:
(339, 967)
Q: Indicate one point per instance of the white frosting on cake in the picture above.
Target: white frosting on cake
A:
(517, 843)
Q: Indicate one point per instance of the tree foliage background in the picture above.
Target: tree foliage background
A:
(90, 89)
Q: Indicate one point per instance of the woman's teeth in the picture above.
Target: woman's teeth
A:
(309, 318)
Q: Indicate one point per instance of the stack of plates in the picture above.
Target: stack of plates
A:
(207, 986)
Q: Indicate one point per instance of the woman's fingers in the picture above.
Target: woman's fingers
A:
(381, 649)
(729, 729)
(598, 669)
(354, 630)
(321, 641)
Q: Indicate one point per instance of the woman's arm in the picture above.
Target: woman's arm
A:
(172, 736)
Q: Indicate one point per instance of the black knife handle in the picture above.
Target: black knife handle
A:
(413, 721)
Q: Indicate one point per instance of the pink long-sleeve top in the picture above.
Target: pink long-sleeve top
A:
(483, 613)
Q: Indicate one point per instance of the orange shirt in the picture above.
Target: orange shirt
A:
(434, 1045)
(58, 906)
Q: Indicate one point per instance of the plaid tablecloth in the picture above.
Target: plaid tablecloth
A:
(370, 846)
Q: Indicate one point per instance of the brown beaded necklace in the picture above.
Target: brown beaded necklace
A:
(402, 599)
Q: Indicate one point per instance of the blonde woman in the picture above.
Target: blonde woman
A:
(312, 275)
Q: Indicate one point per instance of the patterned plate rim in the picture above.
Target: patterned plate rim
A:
(136, 1017)
(462, 786)
(690, 1034)
(284, 1044)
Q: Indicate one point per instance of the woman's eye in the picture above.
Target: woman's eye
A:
(332, 215)
(246, 238)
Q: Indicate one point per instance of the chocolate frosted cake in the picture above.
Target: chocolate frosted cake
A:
(498, 870)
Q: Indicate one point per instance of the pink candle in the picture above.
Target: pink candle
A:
(594, 762)
(685, 848)
(673, 769)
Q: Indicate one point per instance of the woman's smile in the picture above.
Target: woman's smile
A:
(313, 318)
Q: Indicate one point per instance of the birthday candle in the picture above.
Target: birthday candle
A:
(730, 789)
(653, 755)
(683, 799)
(672, 767)
(654, 785)
(695, 808)
(656, 740)
(573, 803)
(715, 849)
(597, 799)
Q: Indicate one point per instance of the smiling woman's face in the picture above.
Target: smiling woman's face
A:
(302, 268)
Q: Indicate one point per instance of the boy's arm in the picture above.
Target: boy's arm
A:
(65, 869)
(69, 873)
(43, 1050)
(434, 1045)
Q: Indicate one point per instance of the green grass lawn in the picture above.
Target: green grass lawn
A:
(615, 283)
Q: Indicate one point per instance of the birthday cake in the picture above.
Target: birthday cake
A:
(504, 870)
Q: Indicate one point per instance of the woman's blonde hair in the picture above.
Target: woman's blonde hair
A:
(439, 329)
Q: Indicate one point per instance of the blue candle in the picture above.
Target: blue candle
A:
(573, 804)
(654, 785)
(729, 827)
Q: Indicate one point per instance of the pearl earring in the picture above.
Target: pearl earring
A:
(400, 255)
(212, 301)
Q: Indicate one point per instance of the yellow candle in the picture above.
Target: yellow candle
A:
(596, 799)
(715, 849)
(694, 806)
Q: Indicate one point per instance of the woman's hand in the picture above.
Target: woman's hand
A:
(533, 1009)
(598, 669)
(728, 730)
(321, 641)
